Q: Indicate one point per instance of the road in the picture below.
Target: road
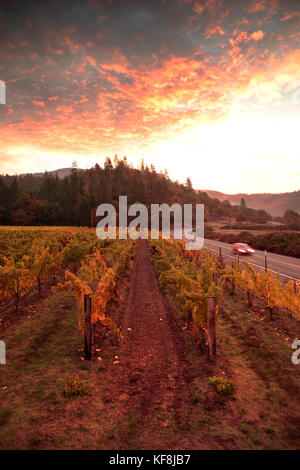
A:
(288, 267)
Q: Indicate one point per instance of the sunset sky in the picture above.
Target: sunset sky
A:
(208, 89)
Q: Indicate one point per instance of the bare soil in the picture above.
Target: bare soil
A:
(152, 374)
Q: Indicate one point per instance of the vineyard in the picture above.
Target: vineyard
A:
(149, 378)
(193, 277)
(31, 257)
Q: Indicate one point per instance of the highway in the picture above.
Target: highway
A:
(288, 267)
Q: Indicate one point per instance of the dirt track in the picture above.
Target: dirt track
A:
(151, 374)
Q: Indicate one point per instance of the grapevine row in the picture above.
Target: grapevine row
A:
(193, 276)
(33, 256)
(98, 276)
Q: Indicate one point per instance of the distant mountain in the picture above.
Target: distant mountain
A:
(61, 173)
(275, 204)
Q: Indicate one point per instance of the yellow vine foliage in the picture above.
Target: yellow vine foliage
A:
(31, 254)
(192, 275)
(95, 277)
(179, 270)
(15, 277)
(269, 286)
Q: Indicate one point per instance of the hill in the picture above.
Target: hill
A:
(275, 204)
(61, 173)
(69, 196)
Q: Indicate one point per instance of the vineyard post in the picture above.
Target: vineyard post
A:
(233, 283)
(92, 217)
(249, 298)
(220, 254)
(266, 262)
(269, 300)
(88, 327)
(39, 285)
(211, 327)
(17, 295)
(295, 286)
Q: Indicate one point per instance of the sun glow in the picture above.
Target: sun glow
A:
(235, 153)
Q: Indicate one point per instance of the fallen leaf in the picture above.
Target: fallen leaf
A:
(165, 424)
(116, 362)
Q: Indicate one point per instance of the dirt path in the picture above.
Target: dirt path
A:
(152, 377)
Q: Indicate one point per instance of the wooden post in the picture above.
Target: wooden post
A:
(295, 286)
(39, 286)
(249, 298)
(88, 328)
(17, 296)
(92, 218)
(266, 262)
(211, 327)
(233, 283)
(220, 253)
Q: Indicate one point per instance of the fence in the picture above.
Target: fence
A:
(252, 264)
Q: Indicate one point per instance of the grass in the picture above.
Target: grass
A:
(221, 385)
(75, 387)
(260, 350)
(248, 400)
(44, 370)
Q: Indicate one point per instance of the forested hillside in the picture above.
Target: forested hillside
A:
(52, 200)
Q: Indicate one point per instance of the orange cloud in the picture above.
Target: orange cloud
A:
(256, 6)
(38, 103)
(161, 101)
(290, 16)
(257, 35)
(198, 8)
(213, 31)
(91, 61)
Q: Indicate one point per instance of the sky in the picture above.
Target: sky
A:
(208, 89)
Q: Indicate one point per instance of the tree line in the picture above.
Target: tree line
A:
(49, 200)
